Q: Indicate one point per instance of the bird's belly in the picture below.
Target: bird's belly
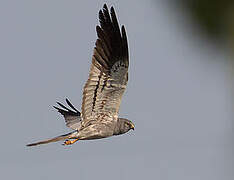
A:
(95, 131)
(94, 137)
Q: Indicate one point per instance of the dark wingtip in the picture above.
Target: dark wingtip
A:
(56, 107)
(112, 9)
(66, 111)
(70, 104)
(100, 12)
(123, 31)
(61, 105)
(67, 100)
(105, 9)
(105, 6)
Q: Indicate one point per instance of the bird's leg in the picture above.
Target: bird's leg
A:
(69, 142)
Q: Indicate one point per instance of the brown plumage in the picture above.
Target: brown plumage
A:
(104, 88)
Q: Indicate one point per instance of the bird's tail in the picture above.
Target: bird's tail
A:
(55, 139)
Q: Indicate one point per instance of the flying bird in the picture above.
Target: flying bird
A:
(104, 88)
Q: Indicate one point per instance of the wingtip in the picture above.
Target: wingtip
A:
(100, 12)
(112, 9)
(70, 104)
(55, 107)
(123, 29)
(105, 6)
(60, 104)
(67, 101)
(98, 28)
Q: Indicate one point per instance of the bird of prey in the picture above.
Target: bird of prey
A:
(104, 88)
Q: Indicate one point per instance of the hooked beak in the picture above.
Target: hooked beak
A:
(132, 126)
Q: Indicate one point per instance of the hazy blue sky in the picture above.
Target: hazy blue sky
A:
(178, 94)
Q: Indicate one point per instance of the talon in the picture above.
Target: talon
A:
(66, 142)
(69, 142)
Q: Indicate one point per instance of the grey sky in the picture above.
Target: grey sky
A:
(178, 94)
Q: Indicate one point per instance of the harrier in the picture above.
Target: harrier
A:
(104, 88)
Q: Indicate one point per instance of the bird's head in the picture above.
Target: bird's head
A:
(129, 124)
(123, 126)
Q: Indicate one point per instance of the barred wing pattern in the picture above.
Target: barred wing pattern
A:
(109, 70)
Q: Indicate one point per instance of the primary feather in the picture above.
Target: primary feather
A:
(72, 117)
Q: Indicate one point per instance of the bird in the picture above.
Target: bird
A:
(103, 91)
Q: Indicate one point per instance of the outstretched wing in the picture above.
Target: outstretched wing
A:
(72, 117)
(109, 69)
